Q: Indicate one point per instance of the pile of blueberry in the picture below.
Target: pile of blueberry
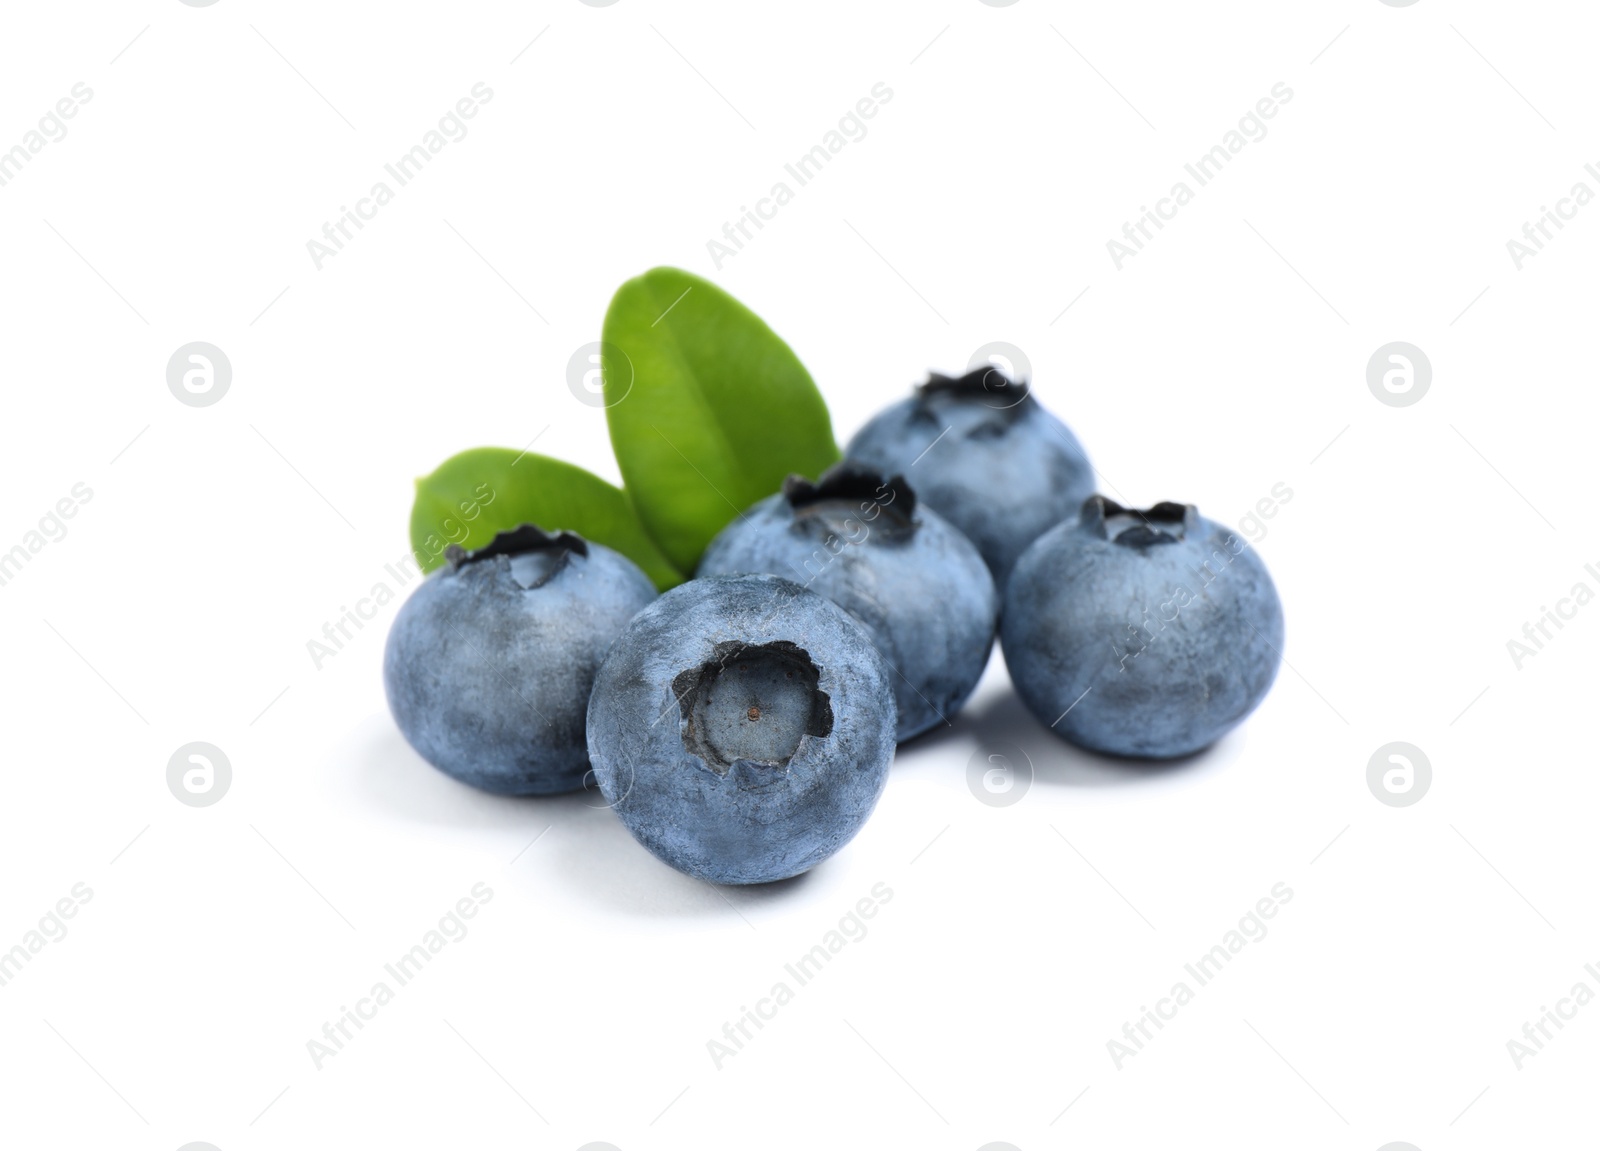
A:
(742, 723)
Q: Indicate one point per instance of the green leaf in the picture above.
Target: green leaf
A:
(709, 410)
(477, 493)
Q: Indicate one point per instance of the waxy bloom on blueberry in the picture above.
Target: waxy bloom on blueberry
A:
(918, 584)
(742, 727)
(983, 453)
(489, 664)
(1141, 633)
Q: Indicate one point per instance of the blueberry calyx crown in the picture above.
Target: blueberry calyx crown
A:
(988, 384)
(1163, 523)
(850, 479)
(853, 489)
(534, 555)
(770, 702)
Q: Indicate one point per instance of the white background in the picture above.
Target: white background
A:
(1227, 357)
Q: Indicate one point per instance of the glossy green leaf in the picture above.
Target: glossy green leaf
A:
(709, 410)
(477, 493)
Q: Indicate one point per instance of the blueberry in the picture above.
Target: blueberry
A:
(742, 728)
(1144, 634)
(987, 457)
(918, 584)
(489, 663)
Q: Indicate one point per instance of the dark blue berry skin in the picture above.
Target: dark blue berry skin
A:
(742, 728)
(1000, 468)
(489, 664)
(918, 584)
(1146, 634)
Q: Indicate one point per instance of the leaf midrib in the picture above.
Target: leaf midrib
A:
(706, 407)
